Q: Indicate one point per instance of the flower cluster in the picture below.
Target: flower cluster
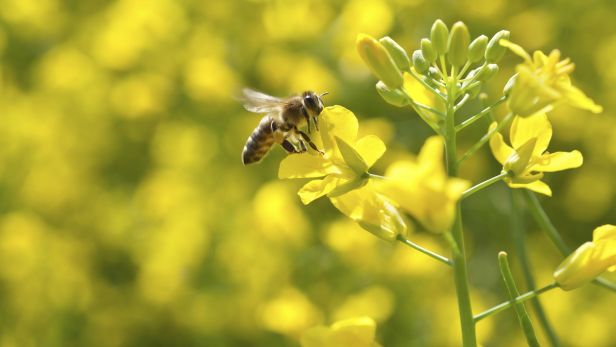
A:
(420, 187)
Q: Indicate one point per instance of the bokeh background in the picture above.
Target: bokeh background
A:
(127, 218)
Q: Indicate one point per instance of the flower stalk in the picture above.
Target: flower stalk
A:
(521, 298)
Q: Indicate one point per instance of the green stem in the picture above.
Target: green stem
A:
(546, 225)
(466, 66)
(485, 138)
(472, 190)
(427, 252)
(429, 87)
(505, 305)
(459, 258)
(465, 98)
(519, 241)
(478, 116)
(520, 310)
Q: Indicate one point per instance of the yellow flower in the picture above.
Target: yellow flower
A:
(423, 188)
(589, 260)
(527, 159)
(542, 81)
(354, 332)
(341, 173)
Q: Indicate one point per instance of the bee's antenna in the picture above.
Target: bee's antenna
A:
(323, 94)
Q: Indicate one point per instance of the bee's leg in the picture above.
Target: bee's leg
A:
(307, 139)
(316, 123)
(307, 121)
(288, 146)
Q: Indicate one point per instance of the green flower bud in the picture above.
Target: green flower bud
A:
(488, 72)
(439, 35)
(433, 73)
(459, 39)
(477, 49)
(494, 51)
(419, 62)
(509, 85)
(474, 92)
(379, 61)
(397, 53)
(428, 50)
(394, 97)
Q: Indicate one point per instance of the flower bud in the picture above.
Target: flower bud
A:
(379, 61)
(458, 44)
(509, 85)
(428, 50)
(395, 97)
(433, 73)
(419, 62)
(490, 71)
(397, 53)
(494, 51)
(477, 49)
(474, 92)
(439, 35)
(590, 260)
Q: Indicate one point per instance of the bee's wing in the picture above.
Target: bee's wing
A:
(258, 102)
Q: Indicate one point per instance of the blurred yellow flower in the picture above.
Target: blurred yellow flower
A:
(423, 188)
(542, 81)
(354, 332)
(528, 159)
(589, 260)
(342, 173)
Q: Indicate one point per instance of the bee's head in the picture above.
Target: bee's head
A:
(313, 102)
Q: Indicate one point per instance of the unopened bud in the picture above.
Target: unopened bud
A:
(419, 62)
(477, 49)
(379, 61)
(509, 85)
(490, 71)
(459, 39)
(394, 97)
(439, 35)
(427, 49)
(494, 51)
(397, 53)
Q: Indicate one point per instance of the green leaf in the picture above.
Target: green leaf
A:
(351, 157)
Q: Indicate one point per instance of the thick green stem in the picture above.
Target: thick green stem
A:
(459, 258)
(546, 225)
(505, 305)
(517, 228)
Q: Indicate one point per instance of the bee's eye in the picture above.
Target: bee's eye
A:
(310, 101)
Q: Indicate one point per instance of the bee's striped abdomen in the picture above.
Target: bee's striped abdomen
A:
(259, 142)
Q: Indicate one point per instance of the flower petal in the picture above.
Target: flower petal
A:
(371, 148)
(500, 149)
(317, 188)
(577, 98)
(536, 186)
(304, 166)
(604, 232)
(559, 161)
(535, 126)
(372, 212)
(517, 49)
(337, 121)
(431, 155)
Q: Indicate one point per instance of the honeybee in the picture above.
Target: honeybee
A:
(283, 117)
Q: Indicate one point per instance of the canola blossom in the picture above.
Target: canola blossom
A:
(527, 158)
(543, 81)
(590, 259)
(422, 188)
(341, 173)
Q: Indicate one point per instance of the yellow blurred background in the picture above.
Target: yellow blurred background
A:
(127, 218)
